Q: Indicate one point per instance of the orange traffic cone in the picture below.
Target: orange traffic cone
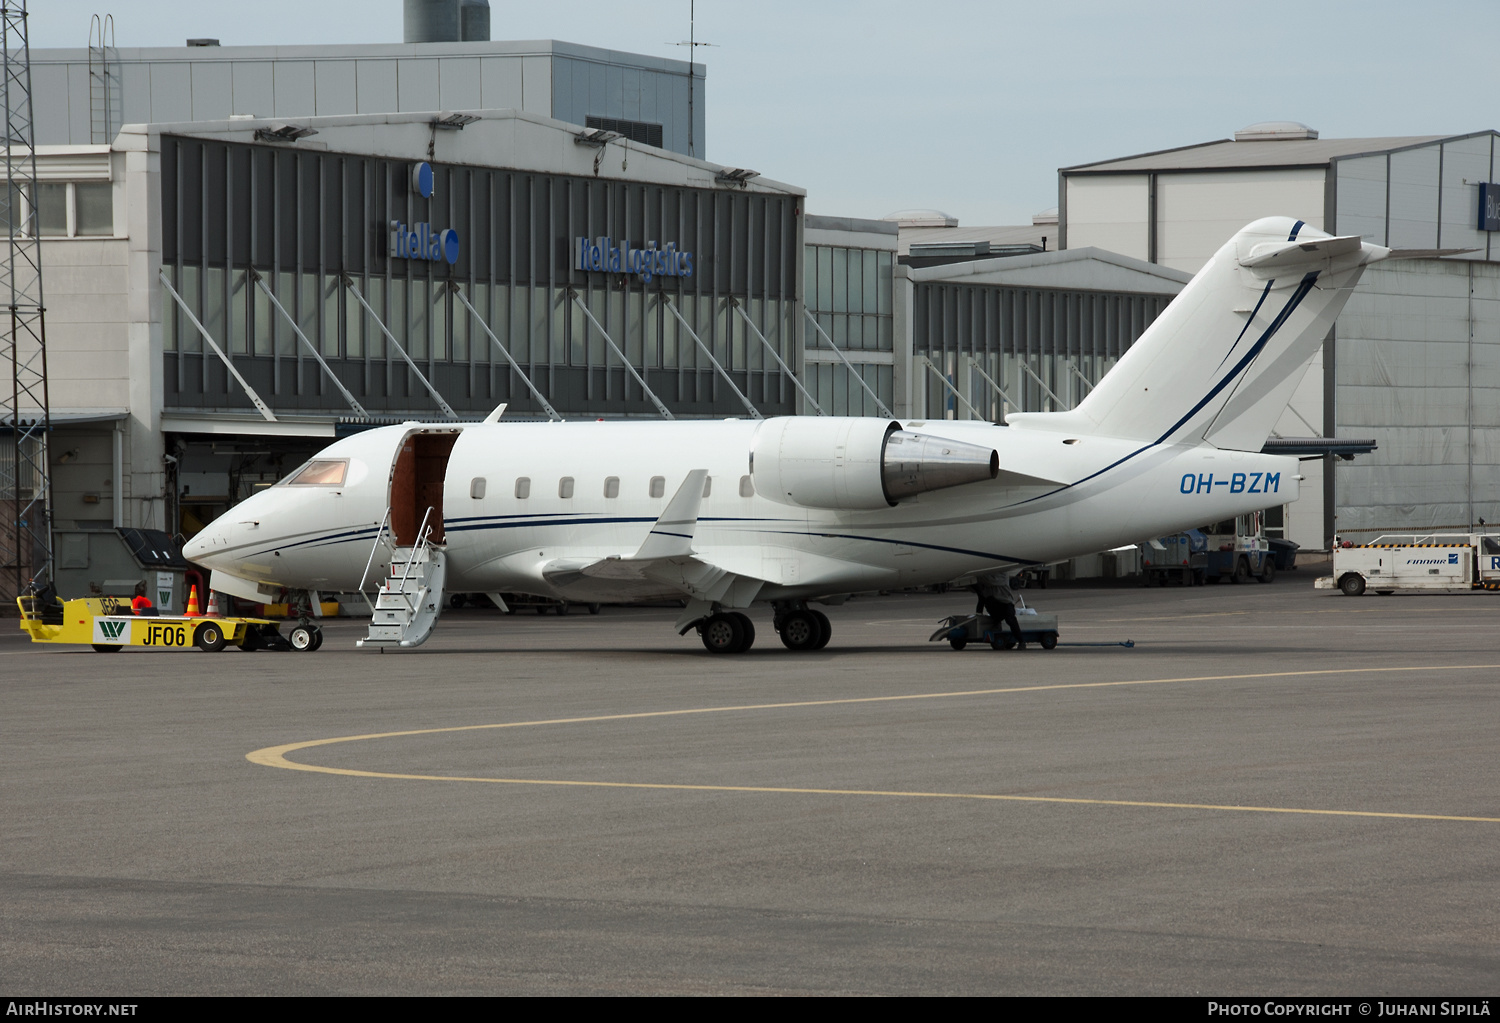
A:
(192, 608)
(213, 605)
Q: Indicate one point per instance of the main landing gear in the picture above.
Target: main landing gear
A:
(800, 628)
(728, 632)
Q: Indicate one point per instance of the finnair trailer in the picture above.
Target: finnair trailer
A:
(1436, 561)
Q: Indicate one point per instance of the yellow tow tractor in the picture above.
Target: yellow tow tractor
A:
(107, 624)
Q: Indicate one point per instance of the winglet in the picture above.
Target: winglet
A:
(672, 535)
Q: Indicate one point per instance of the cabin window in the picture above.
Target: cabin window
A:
(523, 488)
(708, 485)
(612, 486)
(320, 472)
(565, 487)
(658, 486)
(476, 487)
(747, 487)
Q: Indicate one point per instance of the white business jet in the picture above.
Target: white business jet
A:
(731, 514)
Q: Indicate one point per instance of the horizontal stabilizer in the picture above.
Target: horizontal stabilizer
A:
(1289, 258)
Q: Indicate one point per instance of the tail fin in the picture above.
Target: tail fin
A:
(1221, 362)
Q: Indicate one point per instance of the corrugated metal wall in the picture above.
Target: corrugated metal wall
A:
(1059, 335)
(1418, 369)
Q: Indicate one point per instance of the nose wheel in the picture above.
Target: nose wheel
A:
(305, 638)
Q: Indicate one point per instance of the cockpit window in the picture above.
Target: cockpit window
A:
(320, 472)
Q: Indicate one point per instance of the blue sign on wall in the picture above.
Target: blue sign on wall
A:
(644, 263)
(421, 179)
(1489, 207)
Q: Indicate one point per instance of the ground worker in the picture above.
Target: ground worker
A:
(997, 598)
(140, 600)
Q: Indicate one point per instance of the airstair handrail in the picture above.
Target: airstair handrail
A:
(423, 532)
(373, 548)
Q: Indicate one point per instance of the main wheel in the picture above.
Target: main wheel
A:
(800, 631)
(825, 628)
(746, 626)
(210, 637)
(594, 609)
(1268, 573)
(1352, 584)
(562, 609)
(1048, 640)
(722, 634)
(105, 648)
(301, 638)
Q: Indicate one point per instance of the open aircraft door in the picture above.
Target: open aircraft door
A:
(416, 493)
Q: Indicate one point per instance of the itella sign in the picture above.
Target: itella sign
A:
(645, 263)
(422, 242)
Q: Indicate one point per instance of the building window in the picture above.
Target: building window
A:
(612, 486)
(75, 209)
(523, 488)
(644, 132)
(565, 487)
(658, 486)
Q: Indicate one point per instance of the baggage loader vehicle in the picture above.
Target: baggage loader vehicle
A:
(107, 625)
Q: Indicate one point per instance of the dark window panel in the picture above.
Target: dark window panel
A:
(521, 192)
(309, 166)
(215, 202)
(357, 241)
(190, 205)
(286, 207)
(239, 205)
(457, 218)
(480, 242)
(264, 183)
(331, 170)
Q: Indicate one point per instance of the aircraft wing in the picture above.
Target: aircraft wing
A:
(665, 559)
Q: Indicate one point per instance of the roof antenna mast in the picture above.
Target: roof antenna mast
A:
(692, 44)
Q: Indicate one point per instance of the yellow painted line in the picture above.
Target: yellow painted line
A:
(276, 756)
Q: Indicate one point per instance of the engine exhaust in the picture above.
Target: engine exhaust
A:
(913, 463)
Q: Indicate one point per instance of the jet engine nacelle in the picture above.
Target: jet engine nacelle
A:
(851, 464)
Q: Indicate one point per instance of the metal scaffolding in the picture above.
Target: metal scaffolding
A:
(26, 541)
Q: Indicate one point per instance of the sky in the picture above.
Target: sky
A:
(967, 107)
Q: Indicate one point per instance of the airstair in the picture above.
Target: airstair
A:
(407, 606)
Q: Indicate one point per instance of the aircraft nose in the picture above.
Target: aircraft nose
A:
(203, 545)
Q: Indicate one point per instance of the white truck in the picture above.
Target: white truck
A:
(1411, 561)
